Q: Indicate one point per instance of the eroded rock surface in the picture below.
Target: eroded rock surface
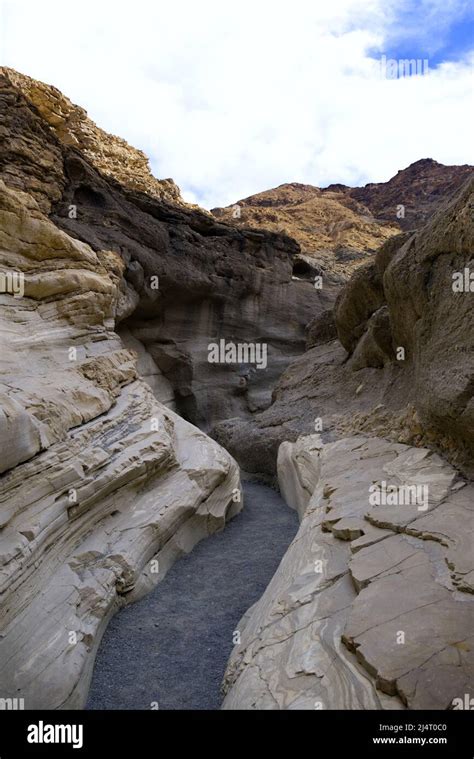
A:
(111, 155)
(103, 487)
(123, 289)
(372, 605)
(419, 190)
(336, 234)
(189, 280)
(403, 363)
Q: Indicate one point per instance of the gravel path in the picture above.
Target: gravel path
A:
(172, 647)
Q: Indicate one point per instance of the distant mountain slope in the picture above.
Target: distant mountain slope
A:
(421, 188)
(341, 226)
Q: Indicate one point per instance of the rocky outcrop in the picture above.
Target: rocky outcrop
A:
(423, 322)
(102, 486)
(372, 605)
(110, 155)
(414, 194)
(403, 364)
(189, 281)
(336, 233)
(339, 228)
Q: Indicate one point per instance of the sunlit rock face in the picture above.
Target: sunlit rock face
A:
(372, 605)
(102, 487)
(110, 154)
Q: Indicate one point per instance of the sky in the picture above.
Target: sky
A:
(231, 98)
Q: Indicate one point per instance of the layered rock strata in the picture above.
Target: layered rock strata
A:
(372, 605)
(111, 155)
(336, 233)
(102, 486)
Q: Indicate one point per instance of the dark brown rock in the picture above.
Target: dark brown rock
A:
(321, 329)
(421, 189)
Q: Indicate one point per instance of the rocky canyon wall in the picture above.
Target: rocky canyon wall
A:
(372, 605)
(189, 281)
(340, 228)
(102, 487)
(395, 358)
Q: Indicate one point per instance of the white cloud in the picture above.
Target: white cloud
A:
(233, 98)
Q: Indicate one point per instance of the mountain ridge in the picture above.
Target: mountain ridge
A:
(343, 226)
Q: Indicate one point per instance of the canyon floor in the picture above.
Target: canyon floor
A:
(172, 647)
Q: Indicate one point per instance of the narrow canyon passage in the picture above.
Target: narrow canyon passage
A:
(172, 646)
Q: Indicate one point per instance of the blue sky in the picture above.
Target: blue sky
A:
(233, 98)
(422, 29)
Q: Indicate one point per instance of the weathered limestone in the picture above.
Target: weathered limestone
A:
(103, 487)
(299, 471)
(372, 605)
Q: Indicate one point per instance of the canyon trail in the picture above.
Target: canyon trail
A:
(172, 647)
